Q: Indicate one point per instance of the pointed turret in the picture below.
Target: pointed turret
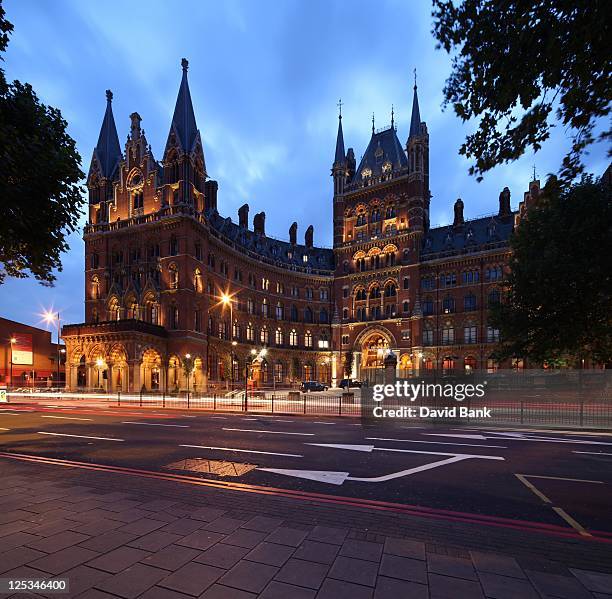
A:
(415, 120)
(107, 151)
(183, 119)
(339, 173)
(340, 156)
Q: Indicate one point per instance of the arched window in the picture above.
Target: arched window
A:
(375, 292)
(308, 339)
(174, 276)
(323, 317)
(494, 297)
(293, 338)
(375, 216)
(390, 290)
(469, 302)
(197, 280)
(448, 304)
(95, 287)
(279, 337)
(173, 319)
(250, 333)
(280, 311)
(265, 308)
(264, 336)
(173, 246)
(294, 313)
(307, 314)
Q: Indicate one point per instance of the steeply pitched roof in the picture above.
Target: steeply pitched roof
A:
(415, 120)
(340, 154)
(184, 117)
(108, 150)
(473, 236)
(384, 147)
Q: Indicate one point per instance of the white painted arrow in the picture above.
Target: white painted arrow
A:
(464, 436)
(324, 476)
(370, 448)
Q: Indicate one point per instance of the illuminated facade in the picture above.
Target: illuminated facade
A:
(160, 258)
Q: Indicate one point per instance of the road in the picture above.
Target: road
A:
(560, 479)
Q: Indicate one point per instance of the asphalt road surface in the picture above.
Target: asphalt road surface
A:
(560, 478)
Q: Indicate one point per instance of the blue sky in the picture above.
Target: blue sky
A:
(265, 78)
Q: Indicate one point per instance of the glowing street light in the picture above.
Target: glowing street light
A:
(13, 340)
(99, 364)
(49, 317)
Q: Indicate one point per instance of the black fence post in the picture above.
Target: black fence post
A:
(188, 400)
(304, 403)
(581, 408)
(140, 403)
(339, 405)
(214, 402)
(272, 403)
(522, 411)
(118, 398)
(164, 398)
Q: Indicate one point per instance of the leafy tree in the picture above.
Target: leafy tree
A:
(40, 193)
(349, 358)
(516, 63)
(558, 293)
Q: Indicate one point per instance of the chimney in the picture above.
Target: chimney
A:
(293, 234)
(459, 220)
(308, 236)
(210, 192)
(243, 216)
(504, 203)
(259, 223)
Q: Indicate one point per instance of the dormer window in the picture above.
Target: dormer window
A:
(366, 173)
(386, 167)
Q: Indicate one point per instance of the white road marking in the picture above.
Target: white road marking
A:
(370, 448)
(10, 413)
(218, 417)
(156, 424)
(317, 422)
(78, 436)
(288, 455)
(4, 429)
(67, 418)
(520, 437)
(248, 430)
(324, 476)
(470, 436)
(435, 442)
(586, 452)
(573, 480)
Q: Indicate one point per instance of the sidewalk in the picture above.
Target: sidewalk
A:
(114, 535)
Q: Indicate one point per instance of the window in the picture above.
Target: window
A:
(428, 283)
(390, 212)
(280, 311)
(470, 276)
(174, 317)
(323, 341)
(493, 297)
(265, 284)
(428, 307)
(250, 333)
(197, 320)
(345, 292)
(375, 216)
(375, 312)
(265, 308)
(345, 339)
(293, 338)
(448, 280)
(492, 335)
(94, 260)
(295, 292)
(264, 336)
(323, 294)
(279, 338)
(448, 336)
(390, 290)
(493, 273)
(279, 373)
(294, 313)
(390, 310)
(492, 365)
(308, 339)
(236, 331)
(375, 292)
(137, 200)
(174, 276)
(360, 295)
(307, 314)
(280, 288)
(428, 337)
(469, 302)
(222, 329)
(405, 335)
(323, 316)
(173, 246)
(345, 313)
(198, 251)
(406, 307)
(308, 293)
(406, 282)
(469, 334)
(448, 305)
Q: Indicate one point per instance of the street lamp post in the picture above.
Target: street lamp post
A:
(226, 300)
(13, 340)
(51, 317)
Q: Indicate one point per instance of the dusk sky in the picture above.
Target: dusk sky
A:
(265, 78)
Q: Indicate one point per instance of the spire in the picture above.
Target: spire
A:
(415, 121)
(183, 119)
(108, 150)
(340, 155)
(392, 117)
(372, 123)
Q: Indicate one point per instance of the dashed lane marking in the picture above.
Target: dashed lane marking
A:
(435, 442)
(288, 455)
(78, 436)
(592, 452)
(157, 424)
(67, 418)
(249, 430)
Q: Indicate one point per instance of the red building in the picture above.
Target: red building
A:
(28, 354)
(167, 276)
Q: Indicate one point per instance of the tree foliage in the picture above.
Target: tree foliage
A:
(40, 191)
(559, 291)
(519, 62)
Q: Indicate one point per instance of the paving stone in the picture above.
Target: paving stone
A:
(328, 534)
(354, 570)
(446, 587)
(270, 553)
(171, 557)
(448, 565)
(313, 551)
(13, 527)
(222, 555)
(504, 587)
(391, 588)
(208, 514)
(192, 578)
(142, 527)
(556, 585)
(155, 541)
(60, 561)
(108, 541)
(280, 590)
(18, 557)
(219, 591)
(201, 539)
(17, 539)
(132, 582)
(263, 523)
(496, 564)
(94, 527)
(362, 550)
(53, 527)
(303, 573)
(118, 559)
(122, 505)
(249, 576)
(245, 538)
(82, 578)
(184, 526)
(58, 541)
(157, 505)
(594, 581)
(161, 593)
(287, 536)
(96, 594)
(127, 516)
(336, 589)
(405, 548)
(404, 568)
(224, 525)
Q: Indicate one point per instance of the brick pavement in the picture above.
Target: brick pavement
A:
(120, 537)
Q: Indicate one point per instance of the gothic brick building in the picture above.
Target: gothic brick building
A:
(167, 276)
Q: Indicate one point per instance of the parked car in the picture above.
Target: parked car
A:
(310, 386)
(345, 383)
